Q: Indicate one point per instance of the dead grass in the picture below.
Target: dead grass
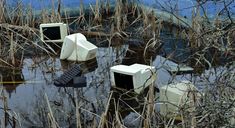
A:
(19, 31)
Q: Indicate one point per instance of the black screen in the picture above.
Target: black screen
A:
(51, 33)
(123, 81)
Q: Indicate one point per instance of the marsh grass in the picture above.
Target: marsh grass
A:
(19, 29)
(2, 11)
(124, 21)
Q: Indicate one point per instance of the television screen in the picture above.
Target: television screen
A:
(51, 33)
(123, 81)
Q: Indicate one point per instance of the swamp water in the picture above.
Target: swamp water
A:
(26, 89)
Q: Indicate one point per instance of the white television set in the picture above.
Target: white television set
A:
(134, 77)
(77, 48)
(175, 96)
(53, 32)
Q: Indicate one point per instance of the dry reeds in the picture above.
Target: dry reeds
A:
(97, 17)
(5, 108)
(118, 13)
(51, 118)
(78, 120)
(18, 31)
(12, 50)
(2, 11)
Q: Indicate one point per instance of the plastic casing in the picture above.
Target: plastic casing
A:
(142, 75)
(63, 31)
(174, 96)
(77, 48)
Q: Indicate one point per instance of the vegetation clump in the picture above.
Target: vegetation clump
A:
(209, 44)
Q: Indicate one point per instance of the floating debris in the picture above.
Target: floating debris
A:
(53, 32)
(134, 77)
(77, 48)
(71, 78)
(176, 96)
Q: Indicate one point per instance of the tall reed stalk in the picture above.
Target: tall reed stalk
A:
(12, 50)
(2, 11)
(78, 120)
(51, 118)
(5, 109)
(98, 16)
(53, 15)
(107, 7)
(30, 18)
(81, 9)
(118, 14)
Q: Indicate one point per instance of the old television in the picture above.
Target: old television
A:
(77, 48)
(177, 95)
(135, 77)
(53, 32)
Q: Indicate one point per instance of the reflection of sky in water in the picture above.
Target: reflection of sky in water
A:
(39, 80)
(35, 83)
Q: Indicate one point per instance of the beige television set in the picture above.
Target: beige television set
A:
(53, 32)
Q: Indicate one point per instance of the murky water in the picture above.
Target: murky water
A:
(26, 88)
